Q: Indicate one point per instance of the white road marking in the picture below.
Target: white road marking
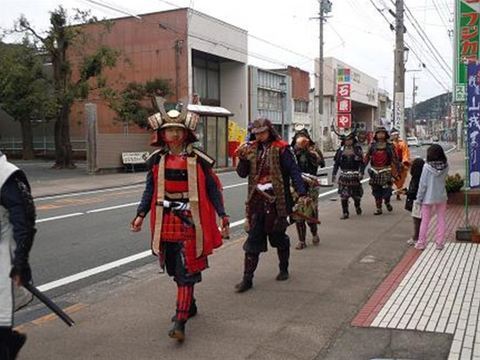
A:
(59, 217)
(102, 268)
(96, 270)
(234, 185)
(87, 192)
(112, 207)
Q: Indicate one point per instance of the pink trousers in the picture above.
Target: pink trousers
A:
(427, 212)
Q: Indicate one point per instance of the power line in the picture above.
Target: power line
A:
(427, 40)
(114, 8)
(434, 77)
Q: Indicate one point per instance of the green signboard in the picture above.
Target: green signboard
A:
(467, 37)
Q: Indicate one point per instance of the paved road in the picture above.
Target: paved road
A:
(80, 232)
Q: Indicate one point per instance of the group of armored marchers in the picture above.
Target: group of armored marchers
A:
(183, 195)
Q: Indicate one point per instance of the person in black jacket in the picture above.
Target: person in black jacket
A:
(415, 173)
(17, 231)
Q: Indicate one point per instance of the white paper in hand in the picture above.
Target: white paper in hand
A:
(417, 210)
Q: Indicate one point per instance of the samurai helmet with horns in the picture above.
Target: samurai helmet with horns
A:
(181, 119)
(173, 118)
(348, 134)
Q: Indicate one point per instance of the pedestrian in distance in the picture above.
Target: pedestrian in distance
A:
(182, 194)
(410, 205)
(349, 160)
(270, 166)
(432, 196)
(309, 158)
(17, 232)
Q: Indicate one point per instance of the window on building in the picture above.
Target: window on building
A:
(269, 100)
(301, 106)
(206, 80)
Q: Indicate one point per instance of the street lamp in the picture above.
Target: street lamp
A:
(283, 86)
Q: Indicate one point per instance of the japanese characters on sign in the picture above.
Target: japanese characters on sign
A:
(344, 103)
(344, 121)
(473, 123)
(467, 42)
(343, 90)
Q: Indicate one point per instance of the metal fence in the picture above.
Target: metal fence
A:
(42, 145)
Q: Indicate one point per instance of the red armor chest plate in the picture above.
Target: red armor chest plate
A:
(176, 178)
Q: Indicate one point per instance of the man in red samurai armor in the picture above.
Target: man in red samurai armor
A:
(270, 166)
(382, 157)
(182, 194)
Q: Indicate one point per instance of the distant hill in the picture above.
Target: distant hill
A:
(433, 108)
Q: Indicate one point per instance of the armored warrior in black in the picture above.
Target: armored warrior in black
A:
(349, 160)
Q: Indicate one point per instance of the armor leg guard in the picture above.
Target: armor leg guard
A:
(250, 265)
(358, 208)
(314, 230)
(378, 203)
(302, 235)
(283, 257)
(184, 302)
(388, 205)
(345, 209)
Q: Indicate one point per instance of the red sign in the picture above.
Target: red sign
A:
(344, 105)
(343, 90)
(344, 121)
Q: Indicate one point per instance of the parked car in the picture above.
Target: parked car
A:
(412, 141)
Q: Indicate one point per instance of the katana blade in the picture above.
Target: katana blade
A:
(50, 304)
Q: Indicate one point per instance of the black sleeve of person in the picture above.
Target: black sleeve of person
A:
(145, 202)
(17, 199)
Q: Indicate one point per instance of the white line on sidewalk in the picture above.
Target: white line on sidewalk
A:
(112, 207)
(59, 217)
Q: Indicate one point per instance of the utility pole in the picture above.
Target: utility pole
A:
(414, 94)
(399, 72)
(325, 6)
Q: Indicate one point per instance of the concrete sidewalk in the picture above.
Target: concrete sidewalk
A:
(128, 317)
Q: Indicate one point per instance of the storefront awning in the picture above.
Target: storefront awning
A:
(209, 110)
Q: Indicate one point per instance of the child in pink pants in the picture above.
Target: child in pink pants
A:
(432, 196)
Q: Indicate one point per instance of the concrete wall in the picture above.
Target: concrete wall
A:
(111, 146)
(234, 91)
(216, 37)
(364, 87)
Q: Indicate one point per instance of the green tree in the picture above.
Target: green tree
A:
(24, 89)
(62, 41)
(135, 102)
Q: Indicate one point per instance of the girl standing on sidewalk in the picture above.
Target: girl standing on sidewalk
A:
(415, 173)
(432, 195)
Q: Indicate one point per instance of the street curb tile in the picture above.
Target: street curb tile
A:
(373, 306)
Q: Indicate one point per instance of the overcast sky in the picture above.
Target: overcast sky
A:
(355, 33)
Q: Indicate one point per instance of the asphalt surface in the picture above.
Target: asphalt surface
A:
(83, 231)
